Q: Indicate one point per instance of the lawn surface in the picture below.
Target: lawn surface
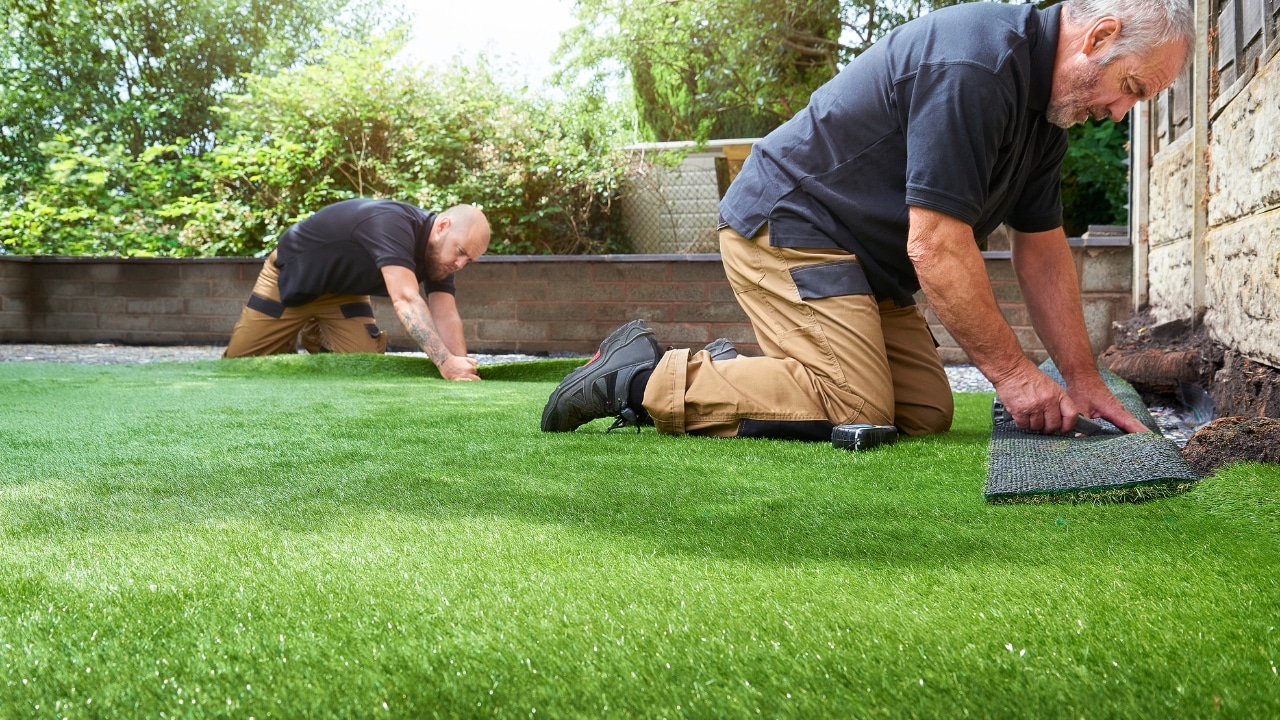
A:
(352, 536)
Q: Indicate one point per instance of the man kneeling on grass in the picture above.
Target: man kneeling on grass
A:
(318, 280)
(947, 127)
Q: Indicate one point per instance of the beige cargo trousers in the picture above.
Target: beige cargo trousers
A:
(843, 358)
(330, 323)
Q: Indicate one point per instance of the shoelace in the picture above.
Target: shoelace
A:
(626, 417)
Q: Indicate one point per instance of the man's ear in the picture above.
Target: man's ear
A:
(1101, 36)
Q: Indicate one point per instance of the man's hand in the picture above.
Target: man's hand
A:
(1039, 404)
(1046, 274)
(1036, 402)
(1096, 400)
(414, 314)
(458, 367)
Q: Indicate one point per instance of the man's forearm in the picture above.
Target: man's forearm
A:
(448, 323)
(416, 319)
(953, 276)
(451, 335)
(1046, 273)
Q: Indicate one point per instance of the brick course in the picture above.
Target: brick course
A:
(531, 304)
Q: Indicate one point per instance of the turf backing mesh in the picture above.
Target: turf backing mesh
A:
(1027, 466)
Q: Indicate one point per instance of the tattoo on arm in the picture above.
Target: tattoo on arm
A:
(418, 324)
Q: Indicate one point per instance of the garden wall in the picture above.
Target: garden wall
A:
(1213, 186)
(530, 304)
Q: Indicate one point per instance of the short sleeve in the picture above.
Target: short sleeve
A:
(388, 236)
(445, 285)
(956, 126)
(1039, 207)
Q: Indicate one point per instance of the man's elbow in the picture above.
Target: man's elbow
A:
(403, 305)
(921, 252)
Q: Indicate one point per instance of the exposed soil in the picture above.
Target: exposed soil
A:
(1245, 387)
(1155, 358)
(1233, 439)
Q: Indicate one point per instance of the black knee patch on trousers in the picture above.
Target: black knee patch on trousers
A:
(266, 306)
(811, 430)
(356, 310)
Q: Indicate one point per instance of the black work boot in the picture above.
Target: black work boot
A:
(721, 349)
(600, 388)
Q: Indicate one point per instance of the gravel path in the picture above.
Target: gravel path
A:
(964, 378)
(108, 354)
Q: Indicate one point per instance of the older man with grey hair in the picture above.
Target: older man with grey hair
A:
(947, 127)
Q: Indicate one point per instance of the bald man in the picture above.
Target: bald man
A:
(319, 278)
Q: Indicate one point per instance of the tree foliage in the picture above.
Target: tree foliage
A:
(351, 123)
(96, 198)
(1095, 176)
(723, 68)
(145, 72)
(357, 125)
(136, 127)
(697, 69)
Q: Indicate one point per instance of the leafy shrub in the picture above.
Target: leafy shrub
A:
(96, 199)
(1095, 176)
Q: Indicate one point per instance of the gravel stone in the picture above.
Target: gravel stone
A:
(964, 378)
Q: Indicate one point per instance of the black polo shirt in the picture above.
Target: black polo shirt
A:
(342, 249)
(946, 112)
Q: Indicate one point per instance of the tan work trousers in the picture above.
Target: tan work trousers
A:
(333, 323)
(842, 359)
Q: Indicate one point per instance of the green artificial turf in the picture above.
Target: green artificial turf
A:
(352, 536)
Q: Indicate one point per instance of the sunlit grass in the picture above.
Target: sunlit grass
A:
(352, 536)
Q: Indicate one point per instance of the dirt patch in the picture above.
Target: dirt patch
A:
(1155, 357)
(1163, 360)
(1233, 439)
(1245, 387)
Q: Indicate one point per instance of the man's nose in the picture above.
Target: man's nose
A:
(1120, 108)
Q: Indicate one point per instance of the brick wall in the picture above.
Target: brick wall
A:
(513, 304)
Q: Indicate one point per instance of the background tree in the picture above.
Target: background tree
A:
(349, 122)
(356, 124)
(1095, 175)
(723, 68)
(149, 127)
(146, 72)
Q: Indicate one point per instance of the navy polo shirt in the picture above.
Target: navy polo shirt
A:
(946, 112)
(342, 249)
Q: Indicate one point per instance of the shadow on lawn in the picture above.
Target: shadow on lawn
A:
(745, 526)
(758, 501)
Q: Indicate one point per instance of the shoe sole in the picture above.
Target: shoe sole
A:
(616, 341)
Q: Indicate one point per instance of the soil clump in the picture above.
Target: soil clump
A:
(1178, 365)
(1233, 439)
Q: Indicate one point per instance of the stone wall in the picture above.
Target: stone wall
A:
(1241, 243)
(509, 304)
(1242, 246)
(1172, 220)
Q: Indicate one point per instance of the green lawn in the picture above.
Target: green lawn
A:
(352, 536)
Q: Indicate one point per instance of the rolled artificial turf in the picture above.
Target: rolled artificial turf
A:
(352, 536)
